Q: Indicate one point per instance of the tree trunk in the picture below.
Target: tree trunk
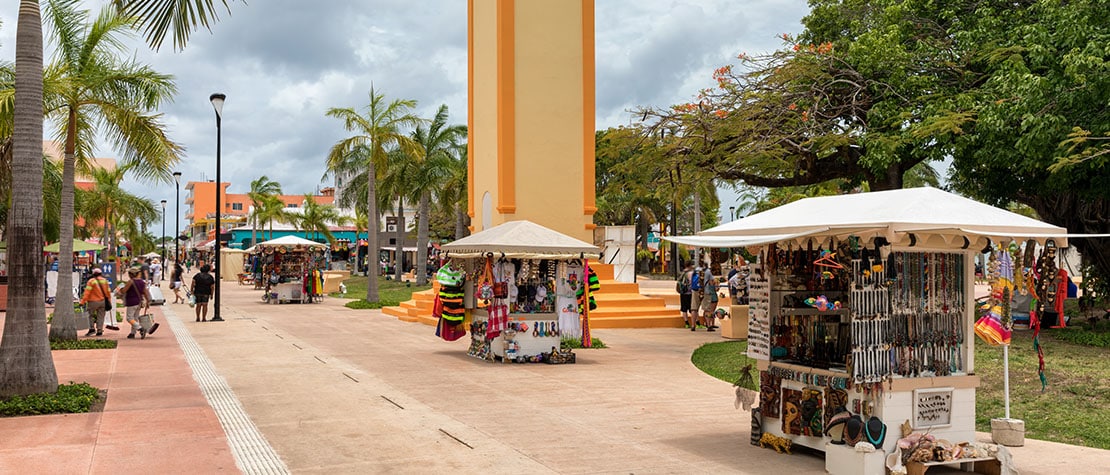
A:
(892, 179)
(1080, 215)
(399, 253)
(460, 222)
(63, 326)
(26, 365)
(254, 231)
(373, 270)
(421, 264)
(697, 226)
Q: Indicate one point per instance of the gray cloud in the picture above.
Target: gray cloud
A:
(283, 63)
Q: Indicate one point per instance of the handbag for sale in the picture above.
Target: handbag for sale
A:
(485, 283)
(500, 290)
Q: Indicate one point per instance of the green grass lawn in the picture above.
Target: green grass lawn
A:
(1074, 409)
(391, 292)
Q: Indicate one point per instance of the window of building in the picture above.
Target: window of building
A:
(237, 206)
(291, 205)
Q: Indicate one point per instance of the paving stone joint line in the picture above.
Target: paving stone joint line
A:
(253, 454)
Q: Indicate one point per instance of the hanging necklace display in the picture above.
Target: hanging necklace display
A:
(927, 314)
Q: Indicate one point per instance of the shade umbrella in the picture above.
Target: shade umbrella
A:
(78, 246)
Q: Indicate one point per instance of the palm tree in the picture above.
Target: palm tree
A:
(318, 218)
(452, 196)
(261, 189)
(376, 133)
(396, 187)
(271, 209)
(118, 209)
(440, 142)
(26, 366)
(157, 17)
(90, 86)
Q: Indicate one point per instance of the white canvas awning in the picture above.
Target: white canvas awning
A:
(290, 242)
(914, 216)
(522, 240)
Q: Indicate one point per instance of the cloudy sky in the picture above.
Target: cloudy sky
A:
(283, 63)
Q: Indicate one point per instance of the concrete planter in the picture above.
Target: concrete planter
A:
(1008, 432)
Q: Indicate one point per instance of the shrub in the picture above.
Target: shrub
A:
(70, 398)
(363, 304)
(576, 343)
(82, 344)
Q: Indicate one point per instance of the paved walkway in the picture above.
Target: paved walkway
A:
(333, 390)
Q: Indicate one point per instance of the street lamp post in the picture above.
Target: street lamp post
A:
(177, 219)
(731, 213)
(164, 240)
(218, 104)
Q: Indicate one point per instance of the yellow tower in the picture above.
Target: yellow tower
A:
(531, 114)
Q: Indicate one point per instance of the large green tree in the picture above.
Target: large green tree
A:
(376, 132)
(156, 18)
(94, 90)
(1036, 125)
(120, 211)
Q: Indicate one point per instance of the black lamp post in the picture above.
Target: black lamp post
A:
(218, 104)
(177, 219)
(164, 263)
(731, 213)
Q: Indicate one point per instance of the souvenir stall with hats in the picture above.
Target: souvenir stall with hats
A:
(862, 321)
(291, 269)
(525, 288)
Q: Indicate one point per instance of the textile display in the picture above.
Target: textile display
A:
(584, 295)
(450, 331)
(836, 400)
(498, 318)
(568, 282)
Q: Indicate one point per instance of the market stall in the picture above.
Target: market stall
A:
(291, 269)
(526, 287)
(861, 319)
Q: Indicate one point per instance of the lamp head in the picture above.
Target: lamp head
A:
(163, 204)
(218, 103)
(177, 177)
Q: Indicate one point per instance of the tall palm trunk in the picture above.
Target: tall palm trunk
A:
(254, 231)
(697, 225)
(398, 269)
(26, 365)
(460, 222)
(63, 326)
(422, 239)
(372, 226)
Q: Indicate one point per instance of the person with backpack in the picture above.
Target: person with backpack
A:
(709, 304)
(697, 292)
(684, 294)
(98, 299)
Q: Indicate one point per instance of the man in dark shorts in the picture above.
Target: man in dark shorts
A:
(202, 286)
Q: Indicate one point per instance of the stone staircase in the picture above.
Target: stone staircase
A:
(619, 305)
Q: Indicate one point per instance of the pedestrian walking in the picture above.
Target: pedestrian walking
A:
(709, 304)
(177, 278)
(202, 286)
(684, 295)
(97, 299)
(156, 271)
(136, 297)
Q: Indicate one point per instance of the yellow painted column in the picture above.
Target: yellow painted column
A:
(531, 114)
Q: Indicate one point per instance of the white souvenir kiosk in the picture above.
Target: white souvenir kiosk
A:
(535, 262)
(288, 260)
(899, 346)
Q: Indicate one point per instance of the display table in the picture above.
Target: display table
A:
(287, 292)
(736, 325)
(526, 343)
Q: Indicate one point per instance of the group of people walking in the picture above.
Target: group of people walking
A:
(697, 289)
(98, 297)
(699, 294)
